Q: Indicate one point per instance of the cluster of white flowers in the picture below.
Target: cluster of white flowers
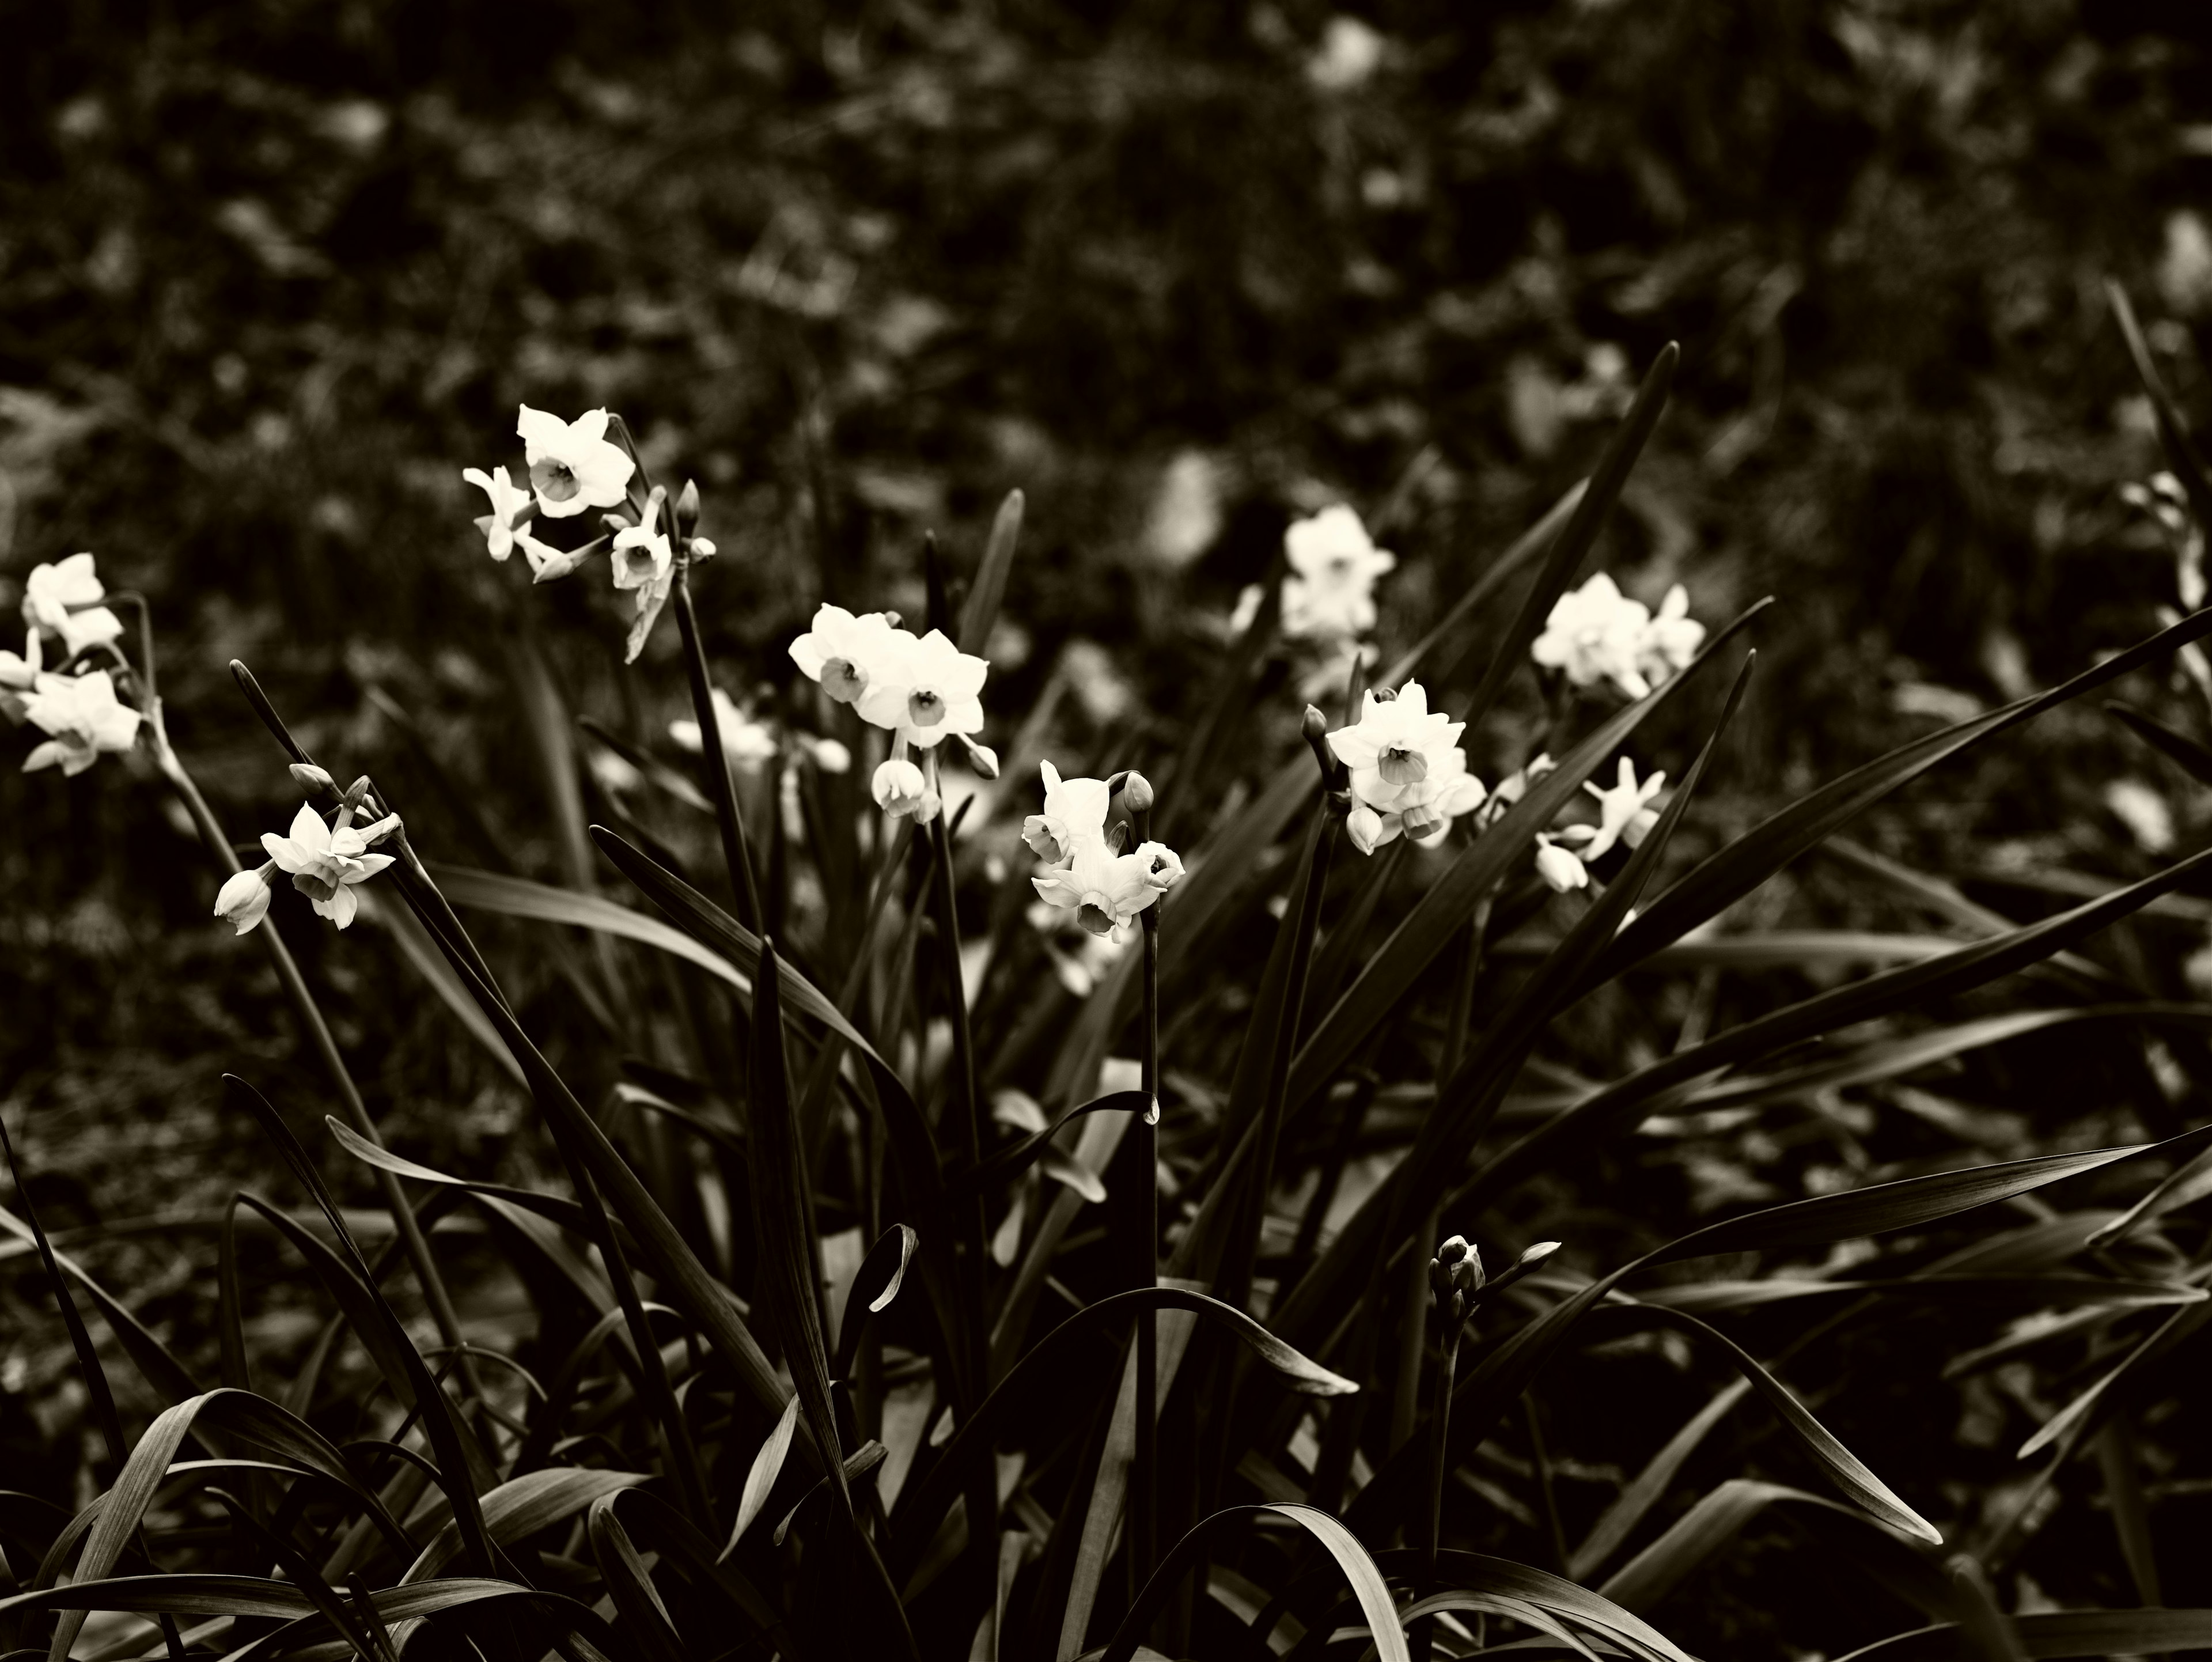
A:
(1329, 594)
(573, 465)
(80, 714)
(1083, 870)
(325, 863)
(921, 690)
(1409, 774)
(1625, 815)
(1595, 633)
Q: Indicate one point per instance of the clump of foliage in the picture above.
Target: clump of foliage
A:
(818, 1351)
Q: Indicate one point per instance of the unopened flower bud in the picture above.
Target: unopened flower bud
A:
(1535, 1254)
(1365, 827)
(1313, 725)
(1137, 793)
(702, 549)
(900, 788)
(981, 757)
(1559, 867)
(243, 901)
(313, 780)
(687, 508)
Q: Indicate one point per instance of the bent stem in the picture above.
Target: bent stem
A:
(714, 760)
(417, 1245)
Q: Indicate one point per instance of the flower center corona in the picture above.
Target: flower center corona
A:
(925, 708)
(556, 480)
(1400, 766)
(843, 679)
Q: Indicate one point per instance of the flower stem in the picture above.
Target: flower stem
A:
(715, 760)
(1418, 1636)
(1144, 1480)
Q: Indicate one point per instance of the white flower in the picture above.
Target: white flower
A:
(509, 503)
(1075, 812)
(747, 743)
(1515, 785)
(325, 862)
(1395, 746)
(1624, 813)
(1080, 959)
(1671, 639)
(1366, 829)
(244, 900)
(844, 652)
(18, 673)
(64, 599)
(1558, 866)
(1105, 890)
(549, 563)
(1329, 593)
(900, 788)
(1162, 866)
(643, 555)
(572, 464)
(827, 754)
(926, 690)
(83, 716)
(1596, 633)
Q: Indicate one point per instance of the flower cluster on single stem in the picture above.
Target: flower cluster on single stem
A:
(1596, 634)
(1084, 870)
(74, 704)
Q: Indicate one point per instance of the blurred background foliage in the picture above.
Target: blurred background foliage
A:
(271, 274)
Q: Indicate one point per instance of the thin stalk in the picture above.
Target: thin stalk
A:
(714, 760)
(1544, 1492)
(1419, 1636)
(1144, 1504)
(417, 1245)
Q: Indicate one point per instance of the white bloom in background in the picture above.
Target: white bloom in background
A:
(1074, 811)
(827, 754)
(83, 716)
(18, 673)
(1080, 959)
(64, 599)
(509, 501)
(1330, 591)
(1625, 813)
(926, 690)
(1558, 866)
(749, 744)
(1106, 890)
(1246, 608)
(1350, 53)
(325, 862)
(1671, 639)
(1515, 786)
(643, 554)
(844, 652)
(1595, 633)
(573, 466)
(900, 788)
(243, 901)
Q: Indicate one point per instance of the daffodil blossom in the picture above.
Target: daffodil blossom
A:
(573, 466)
(1596, 633)
(1395, 746)
(18, 673)
(844, 652)
(325, 862)
(1106, 890)
(900, 788)
(747, 744)
(643, 555)
(926, 690)
(1074, 810)
(83, 716)
(1329, 593)
(64, 599)
(1624, 813)
(1671, 639)
(243, 901)
(509, 503)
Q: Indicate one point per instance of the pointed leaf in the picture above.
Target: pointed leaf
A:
(989, 588)
(766, 1467)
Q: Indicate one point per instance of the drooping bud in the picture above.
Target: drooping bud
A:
(1365, 827)
(981, 757)
(1455, 1277)
(702, 549)
(243, 901)
(1137, 793)
(315, 780)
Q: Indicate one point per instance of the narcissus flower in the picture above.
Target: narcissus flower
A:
(1330, 591)
(1395, 746)
(1671, 638)
(64, 599)
(1106, 890)
(643, 554)
(926, 690)
(573, 466)
(1595, 633)
(325, 862)
(1625, 813)
(747, 744)
(1074, 811)
(509, 504)
(18, 673)
(1558, 866)
(844, 652)
(83, 716)
(244, 900)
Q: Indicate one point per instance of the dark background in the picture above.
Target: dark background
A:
(271, 274)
